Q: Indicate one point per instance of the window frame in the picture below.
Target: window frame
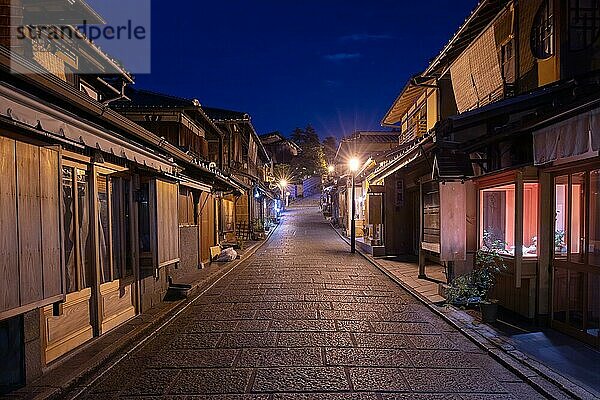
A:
(81, 283)
(567, 262)
(124, 274)
(519, 184)
(543, 31)
(571, 29)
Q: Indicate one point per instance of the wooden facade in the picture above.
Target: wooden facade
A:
(97, 209)
(508, 152)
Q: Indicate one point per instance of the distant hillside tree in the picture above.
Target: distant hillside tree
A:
(311, 161)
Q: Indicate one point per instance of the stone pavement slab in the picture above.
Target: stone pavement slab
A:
(305, 319)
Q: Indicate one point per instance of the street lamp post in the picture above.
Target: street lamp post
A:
(282, 186)
(354, 164)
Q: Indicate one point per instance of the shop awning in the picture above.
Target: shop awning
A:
(193, 183)
(376, 189)
(42, 117)
(576, 136)
(400, 161)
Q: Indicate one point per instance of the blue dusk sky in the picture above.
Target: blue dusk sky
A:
(335, 64)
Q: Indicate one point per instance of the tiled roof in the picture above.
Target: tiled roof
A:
(373, 137)
(148, 99)
(222, 115)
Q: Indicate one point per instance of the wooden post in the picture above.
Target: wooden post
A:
(197, 202)
(96, 301)
(519, 192)
(135, 240)
(422, 274)
(545, 243)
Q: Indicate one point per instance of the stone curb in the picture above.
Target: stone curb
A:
(545, 380)
(79, 379)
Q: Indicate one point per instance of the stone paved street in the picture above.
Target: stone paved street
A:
(304, 319)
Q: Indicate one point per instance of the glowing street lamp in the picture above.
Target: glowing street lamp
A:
(331, 169)
(353, 165)
(283, 183)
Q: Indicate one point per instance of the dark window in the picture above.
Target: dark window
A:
(103, 229)
(508, 61)
(144, 217)
(76, 220)
(584, 23)
(69, 226)
(12, 371)
(542, 33)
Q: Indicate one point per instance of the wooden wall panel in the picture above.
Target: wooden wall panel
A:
(71, 329)
(241, 211)
(28, 198)
(453, 221)
(205, 231)
(9, 268)
(167, 225)
(50, 221)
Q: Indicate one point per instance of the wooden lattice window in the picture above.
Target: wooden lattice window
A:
(584, 23)
(542, 32)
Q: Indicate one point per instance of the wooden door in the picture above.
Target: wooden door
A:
(117, 284)
(65, 332)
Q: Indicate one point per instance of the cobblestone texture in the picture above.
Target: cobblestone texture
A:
(305, 319)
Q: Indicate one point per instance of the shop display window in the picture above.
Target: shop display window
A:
(497, 219)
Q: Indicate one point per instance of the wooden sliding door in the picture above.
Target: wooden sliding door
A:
(74, 326)
(117, 294)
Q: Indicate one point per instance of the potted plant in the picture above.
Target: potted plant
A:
(475, 286)
(462, 291)
(488, 264)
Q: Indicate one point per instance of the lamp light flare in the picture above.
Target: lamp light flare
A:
(283, 183)
(331, 169)
(354, 164)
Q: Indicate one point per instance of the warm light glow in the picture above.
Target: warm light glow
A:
(283, 183)
(331, 169)
(354, 164)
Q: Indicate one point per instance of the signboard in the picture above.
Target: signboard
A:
(400, 193)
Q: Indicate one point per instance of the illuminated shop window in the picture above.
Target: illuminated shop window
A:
(497, 222)
(573, 220)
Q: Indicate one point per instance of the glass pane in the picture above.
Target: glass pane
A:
(594, 250)
(577, 217)
(561, 221)
(103, 229)
(561, 294)
(593, 305)
(576, 280)
(530, 219)
(116, 215)
(69, 227)
(85, 238)
(144, 218)
(127, 233)
(498, 218)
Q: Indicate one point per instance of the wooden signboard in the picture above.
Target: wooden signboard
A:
(453, 221)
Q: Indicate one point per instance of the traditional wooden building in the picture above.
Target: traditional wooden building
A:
(363, 146)
(202, 184)
(510, 154)
(280, 149)
(246, 160)
(88, 198)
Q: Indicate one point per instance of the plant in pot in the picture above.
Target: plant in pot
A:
(488, 264)
(474, 287)
(462, 291)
